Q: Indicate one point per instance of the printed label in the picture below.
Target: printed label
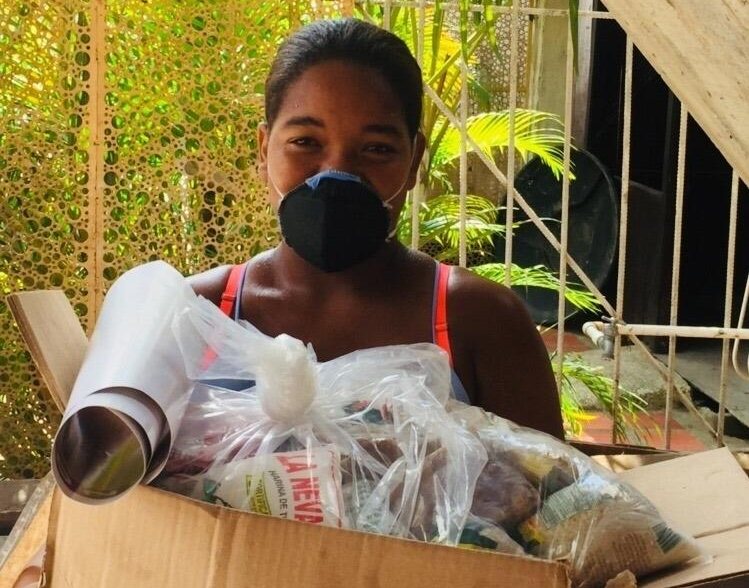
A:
(666, 537)
(299, 485)
(566, 503)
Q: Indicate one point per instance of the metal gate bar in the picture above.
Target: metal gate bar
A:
(728, 308)
(672, 330)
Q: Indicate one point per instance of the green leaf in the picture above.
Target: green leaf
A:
(479, 94)
(439, 224)
(631, 406)
(538, 277)
(536, 133)
(438, 19)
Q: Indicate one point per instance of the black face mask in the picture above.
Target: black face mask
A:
(334, 221)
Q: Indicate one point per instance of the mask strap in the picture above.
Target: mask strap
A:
(386, 203)
(272, 183)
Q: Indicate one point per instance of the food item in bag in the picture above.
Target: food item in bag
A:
(585, 515)
(547, 473)
(423, 495)
(384, 450)
(298, 485)
(604, 527)
(481, 534)
(503, 495)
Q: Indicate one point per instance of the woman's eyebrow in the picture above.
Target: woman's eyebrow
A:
(384, 129)
(303, 121)
(307, 121)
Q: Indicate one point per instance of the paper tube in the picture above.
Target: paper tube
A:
(131, 392)
(104, 454)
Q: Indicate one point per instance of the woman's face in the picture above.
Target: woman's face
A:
(338, 115)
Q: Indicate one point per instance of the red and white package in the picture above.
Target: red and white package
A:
(298, 485)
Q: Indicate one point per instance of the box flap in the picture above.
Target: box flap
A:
(590, 448)
(728, 555)
(707, 495)
(27, 535)
(624, 463)
(153, 539)
(703, 493)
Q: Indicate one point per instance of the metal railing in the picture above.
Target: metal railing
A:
(621, 329)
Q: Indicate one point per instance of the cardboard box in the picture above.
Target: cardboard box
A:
(151, 538)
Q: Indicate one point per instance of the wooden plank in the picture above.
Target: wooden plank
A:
(700, 365)
(28, 535)
(14, 494)
(57, 343)
(700, 49)
(54, 337)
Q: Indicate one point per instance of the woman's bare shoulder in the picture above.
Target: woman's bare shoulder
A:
(471, 295)
(510, 363)
(211, 283)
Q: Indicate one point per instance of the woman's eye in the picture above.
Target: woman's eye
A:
(303, 142)
(380, 149)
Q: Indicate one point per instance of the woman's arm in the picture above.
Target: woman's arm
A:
(510, 367)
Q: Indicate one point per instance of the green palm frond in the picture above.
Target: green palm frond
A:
(439, 224)
(439, 45)
(538, 277)
(536, 133)
(632, 407)
(574, 416)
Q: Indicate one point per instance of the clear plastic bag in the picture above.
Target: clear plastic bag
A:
(371, 441)
(558, 504)
(363, 441)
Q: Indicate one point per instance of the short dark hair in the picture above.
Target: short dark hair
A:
(353, 40)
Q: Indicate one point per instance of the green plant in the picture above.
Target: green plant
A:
(536, 133)
(439, 234)
(631, 406)
(439, 225)
(538, 276)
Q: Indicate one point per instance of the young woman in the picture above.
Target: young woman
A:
(338, 153)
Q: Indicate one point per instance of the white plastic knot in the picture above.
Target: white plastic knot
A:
(286, 380)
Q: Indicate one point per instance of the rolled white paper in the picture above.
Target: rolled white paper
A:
(107, 456)
(134, 370)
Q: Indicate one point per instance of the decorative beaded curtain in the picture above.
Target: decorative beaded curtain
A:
(45, 145)
(127, 134)
(494, 64)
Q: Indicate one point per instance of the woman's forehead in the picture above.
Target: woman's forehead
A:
(331, 91)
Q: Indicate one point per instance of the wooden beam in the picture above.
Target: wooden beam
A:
(54, 337)
(22, 548)
(57, 343)
(700, 49)
(14, 494)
